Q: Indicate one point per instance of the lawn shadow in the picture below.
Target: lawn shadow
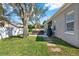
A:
(17, 36)
(59, 41)
(14, 37)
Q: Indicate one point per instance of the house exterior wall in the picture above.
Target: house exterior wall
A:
(71, 38)
(6, 24)
(9, 30)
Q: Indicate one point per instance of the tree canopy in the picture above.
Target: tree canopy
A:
(27, 12)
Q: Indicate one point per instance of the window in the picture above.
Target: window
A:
(69, 18)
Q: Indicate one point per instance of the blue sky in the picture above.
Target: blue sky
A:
(53, 8)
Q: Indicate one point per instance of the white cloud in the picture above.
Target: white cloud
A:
(53, 5)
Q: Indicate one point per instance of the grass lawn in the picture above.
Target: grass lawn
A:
(67, 49)
(16, 46)
(33, 46)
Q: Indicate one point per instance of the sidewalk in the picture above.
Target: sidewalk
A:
(51, 46)
(45, 36)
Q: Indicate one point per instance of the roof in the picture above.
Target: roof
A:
(59, 11)
(13, 24)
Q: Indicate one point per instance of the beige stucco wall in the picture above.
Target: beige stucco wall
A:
(6, 24)
(73, 39)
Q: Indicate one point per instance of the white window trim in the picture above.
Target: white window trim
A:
(70, 12)
(69, 21)
(69, 32)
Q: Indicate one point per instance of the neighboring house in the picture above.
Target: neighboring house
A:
(66, 23)
(8, 29)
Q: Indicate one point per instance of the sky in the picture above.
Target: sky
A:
(53, 8)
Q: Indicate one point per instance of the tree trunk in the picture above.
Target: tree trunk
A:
(25, 27)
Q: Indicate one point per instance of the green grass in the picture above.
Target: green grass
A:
(67, 49)
(34, 46)
(16, 46)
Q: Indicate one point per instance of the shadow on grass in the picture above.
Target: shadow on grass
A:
(14, 37)
(18, 36)
(55, 40)
(59, 41)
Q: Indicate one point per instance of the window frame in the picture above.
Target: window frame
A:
(69, 21)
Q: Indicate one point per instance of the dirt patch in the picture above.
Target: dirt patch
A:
(53, 48)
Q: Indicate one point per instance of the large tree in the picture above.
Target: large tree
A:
(38, 13)
(4, 18)
(25, 11)
(1, 9)
(28, 11)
